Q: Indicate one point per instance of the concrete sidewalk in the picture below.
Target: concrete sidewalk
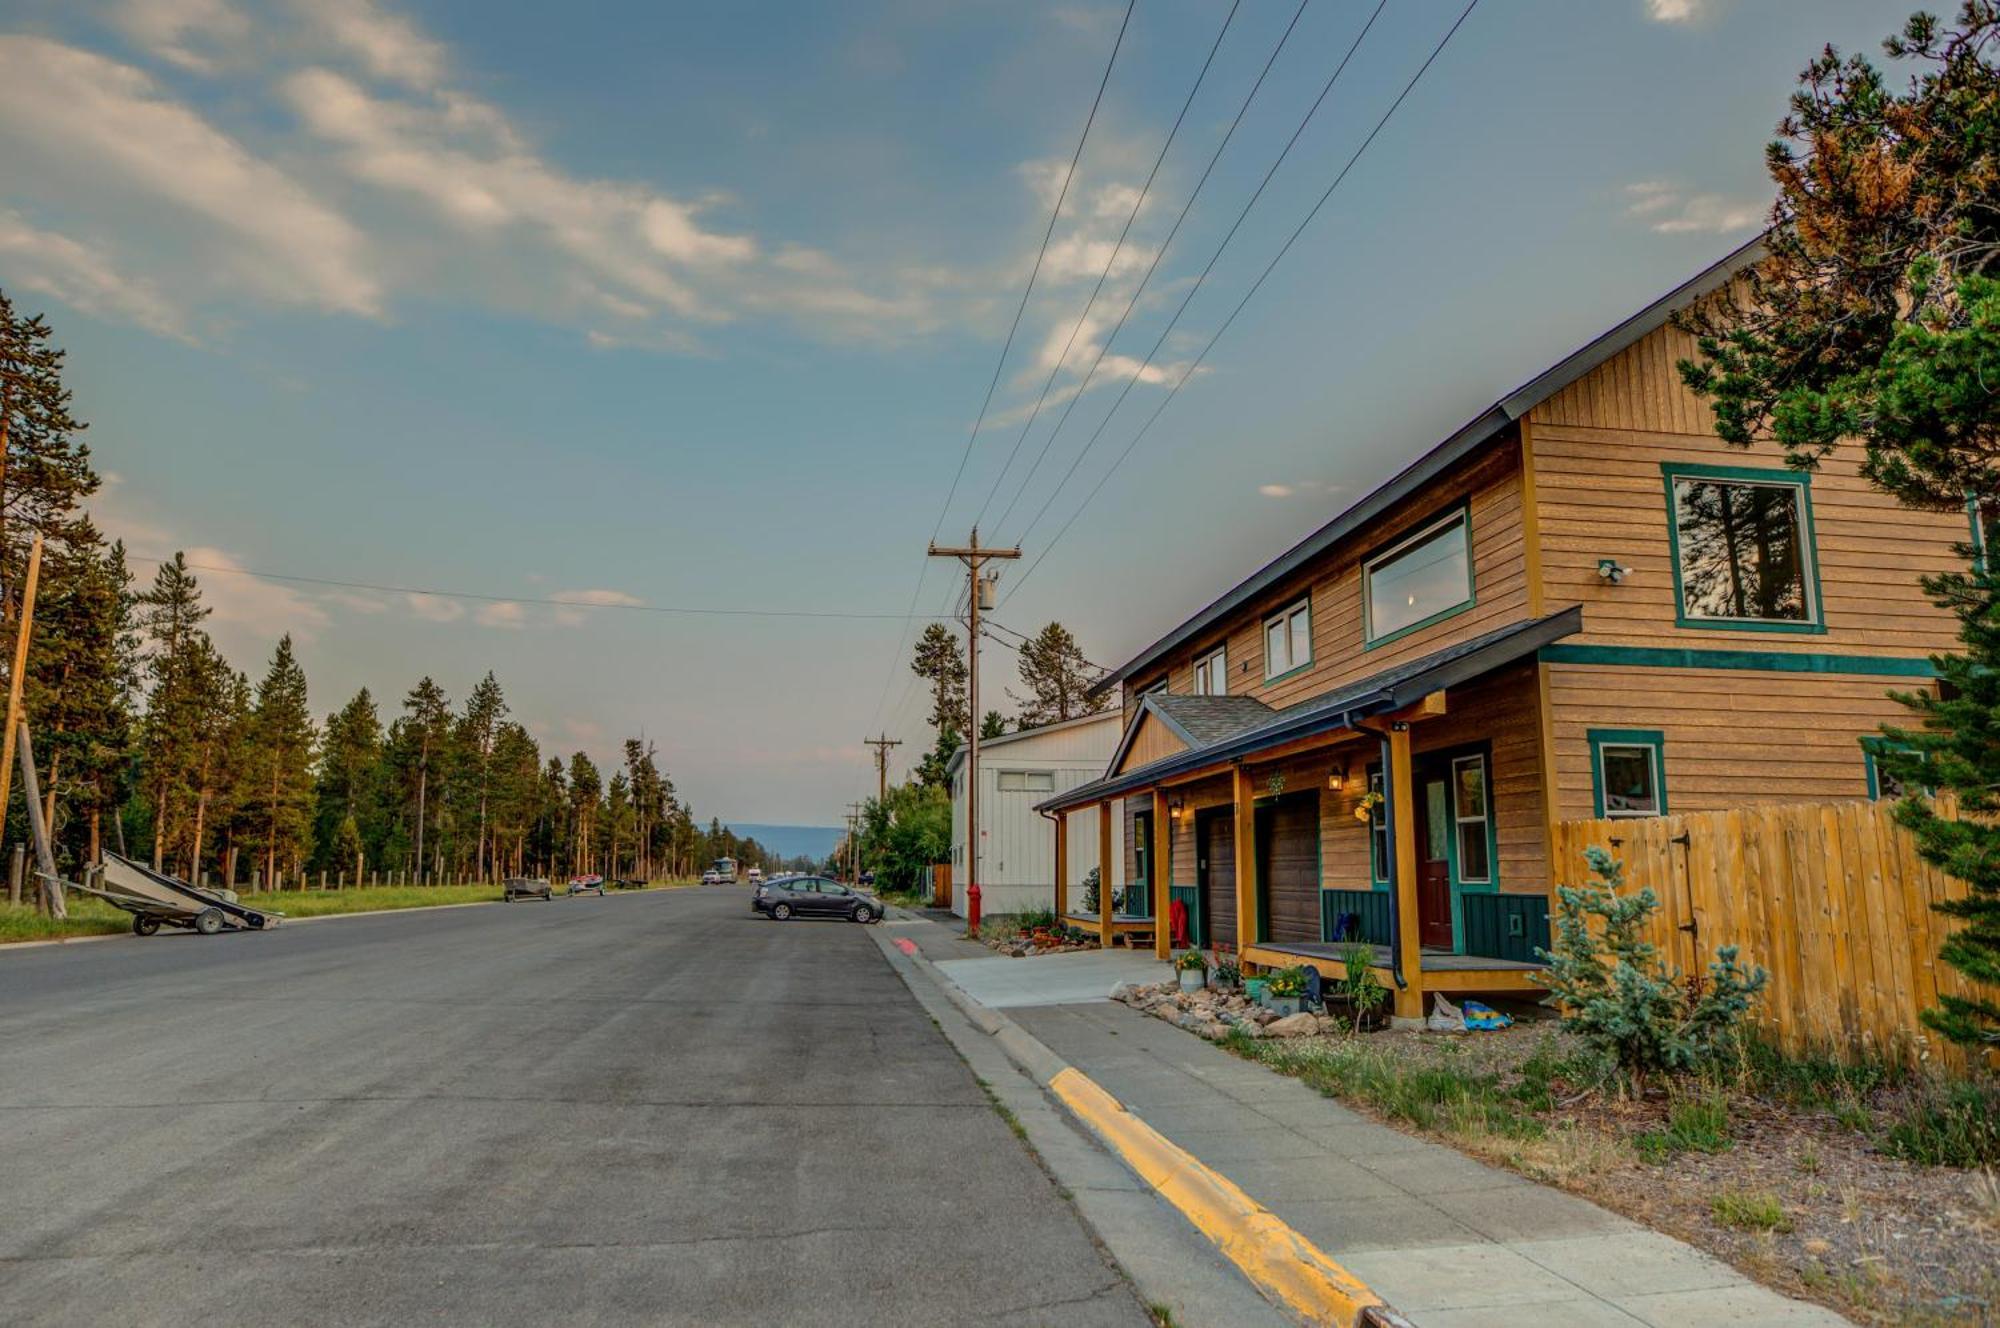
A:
(1000, 983)
(1447, 1240)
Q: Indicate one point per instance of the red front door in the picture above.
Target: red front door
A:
(1434, 861)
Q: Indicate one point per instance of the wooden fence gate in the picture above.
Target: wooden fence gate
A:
(1830, 898)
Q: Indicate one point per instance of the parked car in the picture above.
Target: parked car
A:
(868, 878)
(586, 885)
(711, 877)
(756, 875)
(525, 887)
(813, 897)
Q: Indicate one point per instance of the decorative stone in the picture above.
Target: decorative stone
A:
(1294, 1025)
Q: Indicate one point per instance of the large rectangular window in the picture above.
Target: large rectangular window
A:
(1288, 639)
(1027, 781)
(1743, 548)
(1628, 772)
(1211, 673)
(1418, 580)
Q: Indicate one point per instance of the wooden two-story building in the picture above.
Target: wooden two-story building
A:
(1582, 603)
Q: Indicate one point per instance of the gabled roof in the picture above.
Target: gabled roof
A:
(1392, 689)
(1198, 721)
(1490, 423)
(959, 753)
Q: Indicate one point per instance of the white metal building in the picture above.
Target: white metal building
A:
(1017, 849)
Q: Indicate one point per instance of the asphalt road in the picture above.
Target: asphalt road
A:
(642, 1109)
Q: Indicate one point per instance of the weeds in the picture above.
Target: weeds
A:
(1698, 1124)
(1947, 1124)
(1746, 1211)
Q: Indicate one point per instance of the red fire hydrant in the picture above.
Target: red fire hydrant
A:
(972, 909)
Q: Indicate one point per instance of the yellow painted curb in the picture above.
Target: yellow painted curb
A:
(1280, 1262)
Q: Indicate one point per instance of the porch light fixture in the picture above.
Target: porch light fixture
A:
(1176, 809)
(1336, 778)
(1609, 570)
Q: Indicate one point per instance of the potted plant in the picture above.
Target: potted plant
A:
(1287, 989)
(1193, 968)
(1257, 989)
(1227, 975)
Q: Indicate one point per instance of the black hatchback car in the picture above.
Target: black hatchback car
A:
(813, 897)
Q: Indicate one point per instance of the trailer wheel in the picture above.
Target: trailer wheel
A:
(143, 925)
(208, 921)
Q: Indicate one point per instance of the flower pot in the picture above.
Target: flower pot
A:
(1254, 989)
(1193, 979)
(1282, 1004)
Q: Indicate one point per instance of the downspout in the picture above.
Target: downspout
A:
(1389, 814)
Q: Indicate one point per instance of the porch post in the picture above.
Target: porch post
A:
(1163, 847)
(1104, 875)
(1062, 865)
(1246, 862)
(1403, 828)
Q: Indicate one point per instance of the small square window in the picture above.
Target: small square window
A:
(1628, 772)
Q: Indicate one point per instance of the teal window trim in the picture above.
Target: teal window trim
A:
(1815, 623)
(1872, 747)
(1650, 738)
(1285, 615)
(1769, 661)
(1461, 512)
(1491, 881)
(1443, 763)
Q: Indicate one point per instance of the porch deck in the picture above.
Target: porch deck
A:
(1120, 922)
(1441, 970)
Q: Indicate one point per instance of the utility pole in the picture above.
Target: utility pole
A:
(854, 841)
(974, 558)
(882, 746)
(19, 675)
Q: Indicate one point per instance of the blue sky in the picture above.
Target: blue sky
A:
(693, 306)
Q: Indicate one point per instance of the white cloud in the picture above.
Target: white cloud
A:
(187, 33)
(574, 617)
(260, 609)
(85, 278)
(1669, 210)
(1275, 490)
(434, 608)
(1675, 11)
(1299, 489)
(388, 46)
(504, 613)
(79, 112)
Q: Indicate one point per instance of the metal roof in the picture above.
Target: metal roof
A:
(1392, 689)
(1462, 443)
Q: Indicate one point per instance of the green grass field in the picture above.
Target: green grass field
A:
(92, 917)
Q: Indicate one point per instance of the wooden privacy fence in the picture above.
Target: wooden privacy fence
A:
(1830, 898)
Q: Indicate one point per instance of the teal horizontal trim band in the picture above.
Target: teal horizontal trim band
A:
(1769, 661)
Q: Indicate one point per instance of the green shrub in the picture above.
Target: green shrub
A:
(1698, 1124)
(1036, 919)
(1088, 902)
(1948, 1124)
(1618, 996)
(1358, 984)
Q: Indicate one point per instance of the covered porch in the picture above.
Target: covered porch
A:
(1366, 816)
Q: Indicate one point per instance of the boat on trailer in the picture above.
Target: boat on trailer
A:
(155, 900)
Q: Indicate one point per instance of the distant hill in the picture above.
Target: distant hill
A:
(791, 841)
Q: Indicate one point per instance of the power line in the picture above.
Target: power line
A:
(1133, 380)
(1109, 263)
(1105, 346)
(1254, 288)
(966, 454)
(527, 599)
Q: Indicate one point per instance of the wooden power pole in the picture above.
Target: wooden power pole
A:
(882, 746)
(974, 557)
(854, 841)
(14, 715)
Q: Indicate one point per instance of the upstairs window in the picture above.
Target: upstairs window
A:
(1418, 580)
(1743, 554)
(1288, 639)
(1211, 673)
(1027, 781)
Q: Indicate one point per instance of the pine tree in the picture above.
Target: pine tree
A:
(992, 725)
(45, 471)
(517, 762)
(484, 710)
(280, 799)
(349, 786)
(429, 714)
(81, 676)
(586, 786)
(1058, 679)
(170, 614)
(1876, 317)
(940, 661)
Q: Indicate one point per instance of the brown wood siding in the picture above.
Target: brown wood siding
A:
(1153, 742)
(1732, 737)
(1221, 874)
(1291, 868)
(1597, 448)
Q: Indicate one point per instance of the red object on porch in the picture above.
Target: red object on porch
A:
(1177, 924)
